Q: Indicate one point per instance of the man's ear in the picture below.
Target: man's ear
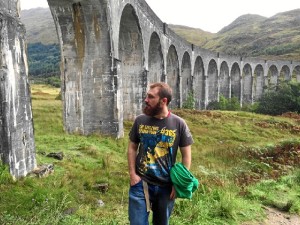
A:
(165, 100)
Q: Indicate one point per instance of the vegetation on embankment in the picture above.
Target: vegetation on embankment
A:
(275, 100)
(242, 160)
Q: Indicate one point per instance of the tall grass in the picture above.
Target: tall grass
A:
(71, 195)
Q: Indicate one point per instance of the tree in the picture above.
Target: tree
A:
(286, 98)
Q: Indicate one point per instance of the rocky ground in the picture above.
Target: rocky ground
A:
(275, 217)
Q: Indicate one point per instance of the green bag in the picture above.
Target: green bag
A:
(183, 181)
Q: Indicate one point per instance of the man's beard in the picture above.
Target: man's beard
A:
(152, 111)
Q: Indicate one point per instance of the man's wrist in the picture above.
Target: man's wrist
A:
(132, 173)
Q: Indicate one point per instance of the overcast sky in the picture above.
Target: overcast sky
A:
(208, 15)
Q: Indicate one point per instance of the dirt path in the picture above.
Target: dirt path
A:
(275, 217)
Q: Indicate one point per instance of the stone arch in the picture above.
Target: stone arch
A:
(212, 81)
(235, 77)
(296, 74)
(186, 74)
(173, 76)
(272, 77)
(284, 74)
(224, 80)
(247, 84)
(258, 82)
(156, 62)
(132, 61)
(199, 83)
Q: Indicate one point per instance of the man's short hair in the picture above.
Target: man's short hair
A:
(165, 90)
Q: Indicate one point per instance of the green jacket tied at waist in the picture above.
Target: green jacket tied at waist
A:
(183, 180)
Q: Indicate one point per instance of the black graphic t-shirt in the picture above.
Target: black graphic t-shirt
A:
(158, 141)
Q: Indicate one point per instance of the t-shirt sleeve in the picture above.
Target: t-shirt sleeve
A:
(186, 137)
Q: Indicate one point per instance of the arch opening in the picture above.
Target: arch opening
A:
(173, 76)
(212, 81)
(296, 74)
(199, 84)
(224, 80)
(258, 83)
(272, 77)
(284, 75)
(186, 74)
(235, 77)
(247, 83)
(156, 62)
(132, 60)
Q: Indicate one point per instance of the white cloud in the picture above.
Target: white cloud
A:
(28, 4)
(213, 15)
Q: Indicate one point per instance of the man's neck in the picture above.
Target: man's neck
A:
(164, 114)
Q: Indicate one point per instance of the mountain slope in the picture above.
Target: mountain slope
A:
(193, 35)
(277, 37)
(39, 26)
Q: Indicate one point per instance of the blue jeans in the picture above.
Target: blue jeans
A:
(161, 204)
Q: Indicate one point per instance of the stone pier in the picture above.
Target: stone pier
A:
(17, 148)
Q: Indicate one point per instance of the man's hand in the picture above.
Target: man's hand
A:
(173, 193)
(134, 179)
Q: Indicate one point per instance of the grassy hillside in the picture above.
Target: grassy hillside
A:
(39, 26)
(242, 160)
(193, 35)
(277, 37)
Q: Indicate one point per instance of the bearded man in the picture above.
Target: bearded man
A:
(153, 142)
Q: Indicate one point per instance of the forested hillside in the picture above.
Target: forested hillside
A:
(43, 59)
(43, 49)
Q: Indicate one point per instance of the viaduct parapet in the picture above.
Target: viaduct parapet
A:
(112, 49)
(16, 128)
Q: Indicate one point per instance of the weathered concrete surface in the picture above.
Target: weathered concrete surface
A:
(16, 126)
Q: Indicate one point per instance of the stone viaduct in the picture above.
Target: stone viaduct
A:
(111, 50)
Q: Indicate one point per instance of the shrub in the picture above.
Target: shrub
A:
(250, 107)
(54, 81)
(231, 104)
(190, 102)
(286, 98)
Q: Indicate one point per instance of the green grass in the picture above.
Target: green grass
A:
(231, 159)
(282, 194)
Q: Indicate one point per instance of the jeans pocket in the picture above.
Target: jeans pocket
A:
(140, 183)
(136, 191)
